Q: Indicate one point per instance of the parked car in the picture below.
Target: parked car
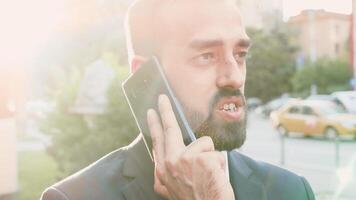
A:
(314, 117)
(323, 97)
(272, 105)
(253, 103)
(345, 99)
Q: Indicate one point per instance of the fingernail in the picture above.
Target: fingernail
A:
(149, 115)
(160, 98)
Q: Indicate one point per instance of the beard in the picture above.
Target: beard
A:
(225, 135)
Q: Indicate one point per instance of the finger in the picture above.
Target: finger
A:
(158, 186)
(212, 159)
(154, 124)
(172, 134)
(202, 144)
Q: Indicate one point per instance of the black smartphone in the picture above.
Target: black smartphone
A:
(142, 89)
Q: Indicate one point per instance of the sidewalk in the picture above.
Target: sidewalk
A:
(334, 183)
(327, 182)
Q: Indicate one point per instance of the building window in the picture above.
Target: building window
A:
(337, 48)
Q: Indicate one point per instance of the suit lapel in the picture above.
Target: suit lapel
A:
(244, 180)
(133, 190)
(139, 168)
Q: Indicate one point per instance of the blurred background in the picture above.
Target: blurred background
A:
(61, 104)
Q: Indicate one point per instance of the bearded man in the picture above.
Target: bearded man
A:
(202, 46)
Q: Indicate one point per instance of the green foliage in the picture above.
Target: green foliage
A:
(271, 63)
(74, 144)
(328, 75)
(37, 171)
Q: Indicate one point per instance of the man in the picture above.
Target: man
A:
(202, 45)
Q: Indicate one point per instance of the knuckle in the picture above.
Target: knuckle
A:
(210, 170)
(157, 187)
(219, 159)
(170, 129)
(170, 164)
(159, 171)
(185, 158)
(201, 160)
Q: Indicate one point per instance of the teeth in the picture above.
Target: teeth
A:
(229, 107)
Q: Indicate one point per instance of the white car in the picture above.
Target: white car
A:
(347, 99)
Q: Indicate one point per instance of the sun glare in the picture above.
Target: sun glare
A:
(25, 26)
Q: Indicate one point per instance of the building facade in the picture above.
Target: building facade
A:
(261, 14)
(321, 34)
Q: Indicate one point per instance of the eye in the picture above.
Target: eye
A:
(240, 56)
(206, 58)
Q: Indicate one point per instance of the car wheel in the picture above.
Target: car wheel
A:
(330, 133)
(282, 130)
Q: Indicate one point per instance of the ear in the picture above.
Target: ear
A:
(136, 63)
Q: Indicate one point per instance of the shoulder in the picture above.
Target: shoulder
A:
(277, 180)
(93, 181)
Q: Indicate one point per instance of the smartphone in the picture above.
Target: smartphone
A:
(142, 89)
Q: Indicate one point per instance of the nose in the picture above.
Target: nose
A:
(230, 74)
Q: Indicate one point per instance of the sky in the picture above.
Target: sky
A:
(25, 25)
(293, 7)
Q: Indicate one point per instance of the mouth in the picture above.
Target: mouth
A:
(230, 108)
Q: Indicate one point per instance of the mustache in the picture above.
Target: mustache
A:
(227, 92)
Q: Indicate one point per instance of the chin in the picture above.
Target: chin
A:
(226, 135)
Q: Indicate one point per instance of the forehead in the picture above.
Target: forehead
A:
(185, 20)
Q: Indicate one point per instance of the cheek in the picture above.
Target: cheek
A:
(194, 89)
(243, 87)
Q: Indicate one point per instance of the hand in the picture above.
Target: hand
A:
(195, 171)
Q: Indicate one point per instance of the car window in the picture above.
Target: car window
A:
(294, 110)
(308, 110)
(331, 109)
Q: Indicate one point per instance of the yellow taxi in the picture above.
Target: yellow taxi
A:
(314, 117)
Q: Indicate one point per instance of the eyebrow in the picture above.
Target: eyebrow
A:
(204, 44)
(245, 43)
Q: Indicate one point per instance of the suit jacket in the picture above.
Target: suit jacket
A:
(127, 173)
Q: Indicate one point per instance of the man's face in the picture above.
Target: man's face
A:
(204, 45)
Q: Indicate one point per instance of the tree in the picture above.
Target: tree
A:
(74, 144)
(328, 75)
(87, 33)
(270, 65)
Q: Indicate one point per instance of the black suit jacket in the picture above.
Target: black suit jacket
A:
(127, 173)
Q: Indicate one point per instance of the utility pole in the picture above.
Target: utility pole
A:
(312, 35)
(353, 38)
(353, 45)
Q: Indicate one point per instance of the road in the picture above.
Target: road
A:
(313, 158)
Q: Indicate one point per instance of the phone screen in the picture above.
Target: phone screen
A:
(142, 89)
